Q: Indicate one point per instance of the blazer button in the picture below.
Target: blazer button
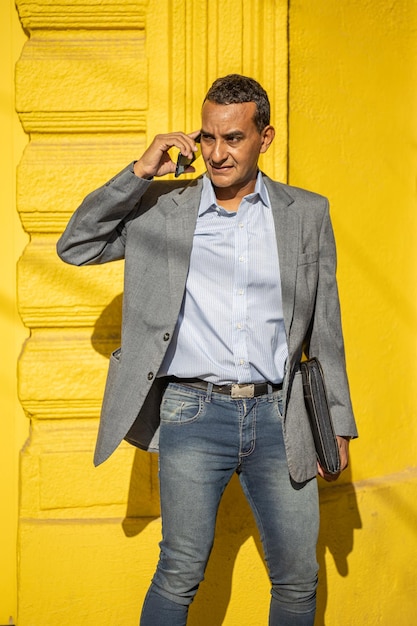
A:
(150, 375)
(166, 336)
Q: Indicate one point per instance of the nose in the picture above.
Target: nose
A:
(219, 152)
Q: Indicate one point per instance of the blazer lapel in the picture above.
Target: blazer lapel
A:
(286, 229)
(180, 227)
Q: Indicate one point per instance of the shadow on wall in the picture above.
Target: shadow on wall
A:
(339, 519)
(106, 335)
(235, 523)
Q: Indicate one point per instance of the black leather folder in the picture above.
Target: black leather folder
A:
(317, 405)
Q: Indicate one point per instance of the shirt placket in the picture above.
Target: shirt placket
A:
(240, 300)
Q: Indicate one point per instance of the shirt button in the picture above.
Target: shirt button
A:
(241, 292)
(241, 225)
(166, 336)
(150, 375)
(241, 259)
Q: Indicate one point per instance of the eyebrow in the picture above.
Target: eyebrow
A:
(232, 133)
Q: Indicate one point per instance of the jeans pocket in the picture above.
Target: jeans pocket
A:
(179, 407)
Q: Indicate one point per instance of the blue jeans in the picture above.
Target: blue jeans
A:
(205, 437)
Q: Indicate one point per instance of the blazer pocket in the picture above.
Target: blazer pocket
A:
(115, 355)
(307, 258)
(112, 372)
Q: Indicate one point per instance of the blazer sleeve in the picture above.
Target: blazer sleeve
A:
(96, 231)
(326, 338)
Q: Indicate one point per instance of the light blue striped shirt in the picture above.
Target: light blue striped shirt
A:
(231, 328)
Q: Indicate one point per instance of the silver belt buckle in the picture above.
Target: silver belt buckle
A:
(243, 391)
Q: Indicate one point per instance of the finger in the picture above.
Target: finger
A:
(185, 143)
(163, 143)
(195, 134)
(330, 478)
(325, 475)
(320, 470)
(190, 146)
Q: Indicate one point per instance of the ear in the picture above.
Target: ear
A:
(267, 134)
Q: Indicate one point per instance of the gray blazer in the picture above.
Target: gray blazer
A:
(151, 225)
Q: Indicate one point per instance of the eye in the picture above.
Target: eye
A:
(206, 138)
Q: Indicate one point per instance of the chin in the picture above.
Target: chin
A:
(222, 184)
(221, 180)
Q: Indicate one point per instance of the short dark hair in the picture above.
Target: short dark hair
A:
(235, 89)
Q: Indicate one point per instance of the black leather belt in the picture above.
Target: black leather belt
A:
(246, 390)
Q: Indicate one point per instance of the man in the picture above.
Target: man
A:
(228, 279)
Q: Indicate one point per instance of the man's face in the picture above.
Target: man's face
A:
(231, 144)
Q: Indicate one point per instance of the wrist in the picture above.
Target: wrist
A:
(140, 172)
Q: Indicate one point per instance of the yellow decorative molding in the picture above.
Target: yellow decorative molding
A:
(76, 14)
(63, 374)
(82, 71)
(85, 491)
(190, 44)
(90, 122)
(57, 171)
(52, 293)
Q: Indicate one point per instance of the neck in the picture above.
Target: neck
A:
(231, 205)
(230, 197)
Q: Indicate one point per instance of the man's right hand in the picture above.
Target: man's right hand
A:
(156, 161)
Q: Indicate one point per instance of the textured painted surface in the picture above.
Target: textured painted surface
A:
(13, 425)
(353, 130)
(94, 81)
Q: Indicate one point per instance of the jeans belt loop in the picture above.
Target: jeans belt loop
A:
(209, 392)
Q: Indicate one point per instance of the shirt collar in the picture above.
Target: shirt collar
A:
(208, 199)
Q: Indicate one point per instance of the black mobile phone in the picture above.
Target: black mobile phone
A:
(183, 162)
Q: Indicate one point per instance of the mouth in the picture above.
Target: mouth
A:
(220, 168)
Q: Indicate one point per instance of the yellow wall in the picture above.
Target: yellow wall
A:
(353, 130)
(13, 425)
(93, 83)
